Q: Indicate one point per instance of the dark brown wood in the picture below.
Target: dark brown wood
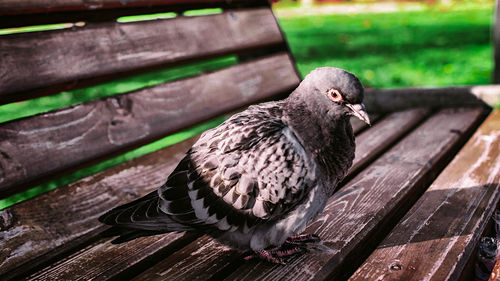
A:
(46, 62)
(98, 258)
(204, 258)
(496, 44)
(104, 13)
(104, 261)
(437, 236)
(383, 135)
(40, 146)
(390, 100)
(37, 230)
(13, 7)
(357, 216)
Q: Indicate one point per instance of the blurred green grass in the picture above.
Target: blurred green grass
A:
(428, 48)
(425, 48)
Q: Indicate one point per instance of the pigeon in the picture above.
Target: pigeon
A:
(256, 180)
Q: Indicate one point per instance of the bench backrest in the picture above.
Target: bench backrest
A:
(94, 48)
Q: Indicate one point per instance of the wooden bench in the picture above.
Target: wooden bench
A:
(392, 219)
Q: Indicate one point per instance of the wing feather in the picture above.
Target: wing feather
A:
(250, 169)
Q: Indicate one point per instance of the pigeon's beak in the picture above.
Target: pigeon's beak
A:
(360, 112)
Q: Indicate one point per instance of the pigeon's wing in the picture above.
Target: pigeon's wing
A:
(249, 169)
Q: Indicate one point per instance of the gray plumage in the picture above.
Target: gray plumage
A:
(260, 176)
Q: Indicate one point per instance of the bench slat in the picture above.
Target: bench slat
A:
(68, 137)
(207, 257)
(41, 228)
(357, 217)
(102, 257)
(437, 236)
(16, 7)
(97, 259)
(41, 63)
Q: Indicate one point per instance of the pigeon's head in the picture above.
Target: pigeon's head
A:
(334, 92)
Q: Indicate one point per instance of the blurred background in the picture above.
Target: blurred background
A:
(393, 43)
(385, 43)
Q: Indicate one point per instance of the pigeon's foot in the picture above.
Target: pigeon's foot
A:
(293, 245)
(276, 255)
(303, 239)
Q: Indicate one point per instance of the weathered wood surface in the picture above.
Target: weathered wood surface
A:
(41, 63)
(384, 134)
(18, 16)
(204, 258)
(437, 236)
(16, 7)
(40, 146)
(390, 100)
(41, 228)
(95, 260)
(358, 215)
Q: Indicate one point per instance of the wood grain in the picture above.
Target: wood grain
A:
(437, 236)
(42, 228)
(46, 62)
(16, 7)
(204, 258)
(46, 144)
(390, 100)
(357, 216)
(207, 260)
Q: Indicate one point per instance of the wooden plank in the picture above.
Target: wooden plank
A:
(437, 236)
(17, 7)
(37, 230)
(106, 260)
(19, 16)
(390, 100)
(41, 63)
(358, 215)
(132, 257)
(70, 137)
(204, 258)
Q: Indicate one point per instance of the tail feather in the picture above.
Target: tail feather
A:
(139, 218)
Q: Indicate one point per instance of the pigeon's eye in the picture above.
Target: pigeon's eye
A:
(335, 95)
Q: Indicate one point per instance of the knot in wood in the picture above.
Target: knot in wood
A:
(121, 105)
